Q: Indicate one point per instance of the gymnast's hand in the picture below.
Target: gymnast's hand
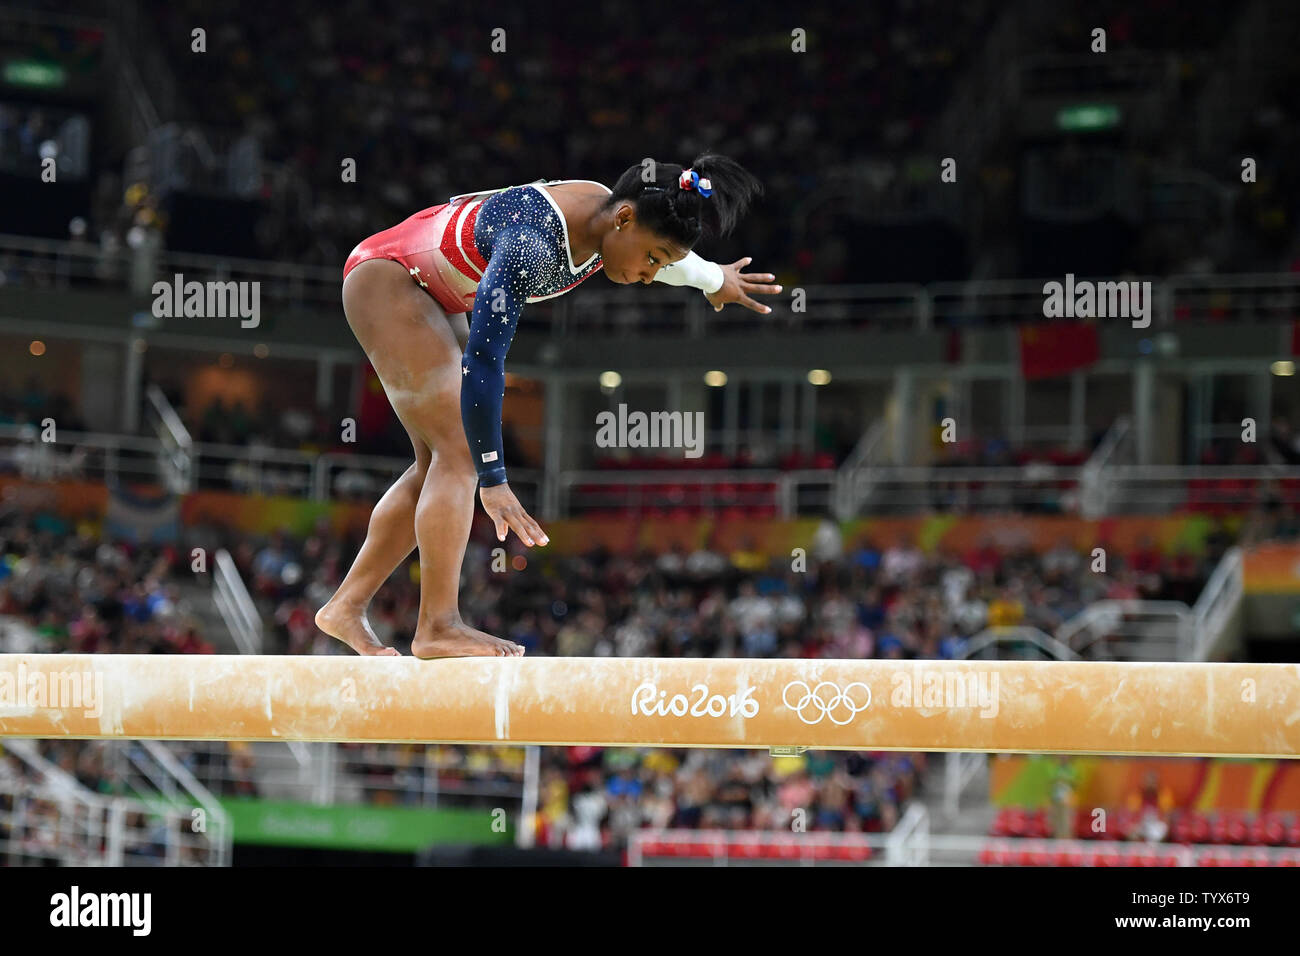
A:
(508, 514)
(737, 286)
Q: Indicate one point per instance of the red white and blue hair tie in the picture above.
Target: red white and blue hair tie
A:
(690, 179)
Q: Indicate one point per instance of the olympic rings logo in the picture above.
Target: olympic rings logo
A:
(827, 700)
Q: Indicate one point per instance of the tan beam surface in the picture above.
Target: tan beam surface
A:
(982, 706)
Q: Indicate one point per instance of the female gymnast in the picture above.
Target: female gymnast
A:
(406, 293)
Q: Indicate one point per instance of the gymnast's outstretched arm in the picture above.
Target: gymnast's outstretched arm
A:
(720, 284)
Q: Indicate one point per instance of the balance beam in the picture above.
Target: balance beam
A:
(1243, 710)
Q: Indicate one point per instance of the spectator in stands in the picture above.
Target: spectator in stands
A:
(1007, 609)
(902, 562)
(274, 567)
(756, 621)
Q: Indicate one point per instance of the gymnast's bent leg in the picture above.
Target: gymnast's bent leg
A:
(415, 351)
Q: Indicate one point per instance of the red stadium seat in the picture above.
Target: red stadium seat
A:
(1039, 827)
(1292, 837)
(746, 848)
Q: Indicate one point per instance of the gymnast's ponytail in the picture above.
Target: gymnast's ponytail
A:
(682, 204)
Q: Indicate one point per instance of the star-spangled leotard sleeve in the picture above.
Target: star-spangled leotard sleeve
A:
(519, 253)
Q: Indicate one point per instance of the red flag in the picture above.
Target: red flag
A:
(1055, 348)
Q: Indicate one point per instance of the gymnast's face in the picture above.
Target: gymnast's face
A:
(634, 254)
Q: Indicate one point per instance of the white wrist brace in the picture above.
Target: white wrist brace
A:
(693, 271)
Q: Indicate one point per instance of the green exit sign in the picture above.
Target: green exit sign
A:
(1088, 116)
(34, 73)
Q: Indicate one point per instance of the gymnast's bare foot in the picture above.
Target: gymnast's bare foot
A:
(349, 625)
(458, 639)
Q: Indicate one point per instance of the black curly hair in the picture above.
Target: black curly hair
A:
(683, 215)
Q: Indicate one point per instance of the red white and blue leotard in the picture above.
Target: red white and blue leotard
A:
(488, 253)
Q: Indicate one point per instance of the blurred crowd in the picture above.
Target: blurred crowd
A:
(420, 99)
(71, 591)
(417, 107)
(595, 798)
(895, 601)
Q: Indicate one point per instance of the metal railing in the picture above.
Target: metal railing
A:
(960, 770)
(249, 469)
(785, 493)
(1138, 489)
(235, 604)
(1257, 297)
(1096, 486)
(83, 455)
(46, 816)
(421, 775)
(854, 481)
(1219, 604)
(176, 448)
(1038, 487)
(1099, 487)
(986, 644)
(1132, 630)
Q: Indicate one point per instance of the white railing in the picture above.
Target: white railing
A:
(250, 469)
(666, 312)
(84, 455)
(235, 604)
(414, 775)
(263, 470)
(1095, 483)
(1033, 487)
(905, 844)
(176, 448)
(1219, 603)
(183, 793)
(1040, 487)
(992, 638)
(1136, 489)
(526, 834)
(1131, 630)
(43, 826)
(788, 492)
(46, 816)
(854, 480)
(960, 769)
